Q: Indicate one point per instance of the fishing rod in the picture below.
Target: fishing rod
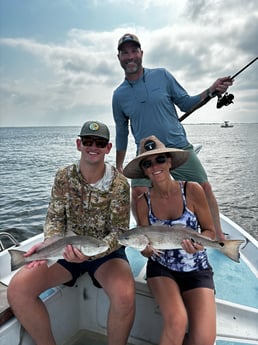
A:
(223, 100)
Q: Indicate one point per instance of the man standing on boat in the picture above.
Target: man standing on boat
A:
(88, 198)
(147, 99)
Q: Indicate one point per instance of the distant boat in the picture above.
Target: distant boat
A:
(226, 125)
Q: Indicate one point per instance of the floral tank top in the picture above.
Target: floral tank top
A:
(178, 259)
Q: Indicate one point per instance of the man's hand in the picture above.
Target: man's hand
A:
(221, 85)
(73, 254)
(31, 251)
(120, 168)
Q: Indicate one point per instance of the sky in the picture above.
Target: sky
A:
(59, 66)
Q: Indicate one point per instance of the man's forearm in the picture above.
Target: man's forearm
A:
(120, 156)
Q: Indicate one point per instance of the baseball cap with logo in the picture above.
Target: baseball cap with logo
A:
(98, 129)
(128, 38)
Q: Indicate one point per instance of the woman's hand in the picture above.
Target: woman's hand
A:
(148, 251)
(191, 247)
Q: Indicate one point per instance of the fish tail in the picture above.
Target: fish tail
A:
(17, 258)
(231, 249)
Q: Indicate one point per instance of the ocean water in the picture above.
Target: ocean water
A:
(30, 157)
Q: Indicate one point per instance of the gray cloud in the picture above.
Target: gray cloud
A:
(209, 40)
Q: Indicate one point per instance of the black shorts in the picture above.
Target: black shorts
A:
(185, 280)
(77, 269)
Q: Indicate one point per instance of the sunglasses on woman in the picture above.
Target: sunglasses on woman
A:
(158, 160)
(99, 142)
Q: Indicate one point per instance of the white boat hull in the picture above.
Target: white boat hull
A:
(85, 308)
(77, 311)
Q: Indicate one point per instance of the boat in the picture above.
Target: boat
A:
(226, 124)
(78, 314)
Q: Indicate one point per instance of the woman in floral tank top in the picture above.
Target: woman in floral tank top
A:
(181, 279)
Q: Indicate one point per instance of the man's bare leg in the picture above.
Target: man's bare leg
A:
(116, 278)
(23, 292)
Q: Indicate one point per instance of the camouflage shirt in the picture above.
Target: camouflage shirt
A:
(83, 209)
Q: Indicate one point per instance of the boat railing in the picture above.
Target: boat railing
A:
(10, 237)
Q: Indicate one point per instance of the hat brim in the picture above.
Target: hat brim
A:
(129, 41)
(94, 135)
(134, 170)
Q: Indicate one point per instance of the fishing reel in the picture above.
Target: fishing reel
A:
(226, 100)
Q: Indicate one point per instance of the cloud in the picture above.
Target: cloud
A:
(203, 41)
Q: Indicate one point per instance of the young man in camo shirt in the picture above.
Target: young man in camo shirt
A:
(89, 197)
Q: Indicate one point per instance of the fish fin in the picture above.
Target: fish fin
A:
(17, 258)
(231, 249)
(49, 241)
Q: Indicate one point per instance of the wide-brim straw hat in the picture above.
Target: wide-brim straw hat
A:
(152, 146)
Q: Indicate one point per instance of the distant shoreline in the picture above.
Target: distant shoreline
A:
(185, 124)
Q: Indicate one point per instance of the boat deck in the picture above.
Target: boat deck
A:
(228, 276)
(85, 337)
(5, 310)
(237, 311)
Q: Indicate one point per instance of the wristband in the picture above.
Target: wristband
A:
(209, 93)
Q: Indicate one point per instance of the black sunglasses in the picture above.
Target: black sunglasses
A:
(99, 142)
(158, 160)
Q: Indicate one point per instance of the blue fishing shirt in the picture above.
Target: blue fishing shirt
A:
(148, 105)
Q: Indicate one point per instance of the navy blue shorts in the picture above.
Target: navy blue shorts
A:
(77, 269)
(185, 280)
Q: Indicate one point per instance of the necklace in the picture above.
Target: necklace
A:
(139, 89)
